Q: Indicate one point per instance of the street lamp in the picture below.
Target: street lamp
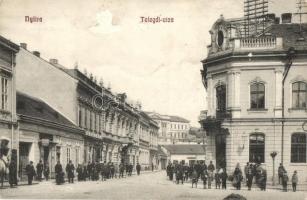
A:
(273, 155)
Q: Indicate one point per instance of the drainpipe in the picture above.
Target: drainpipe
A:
(290, 55)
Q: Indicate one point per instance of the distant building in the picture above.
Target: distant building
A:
(172, 129)
(188, 153)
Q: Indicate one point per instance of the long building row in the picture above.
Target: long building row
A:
(51, 113)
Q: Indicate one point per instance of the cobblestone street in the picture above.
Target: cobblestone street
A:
(147, 186)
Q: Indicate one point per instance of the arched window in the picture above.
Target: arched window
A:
(256, 147)
(257, 94)
(298, 148)
(299, 94)
(221, 98)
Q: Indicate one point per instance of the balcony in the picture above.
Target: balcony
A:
(255, 43)
(222, 114)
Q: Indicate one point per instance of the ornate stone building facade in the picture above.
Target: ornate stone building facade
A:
(256, 96)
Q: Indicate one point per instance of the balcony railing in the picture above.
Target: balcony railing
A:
(261, 42)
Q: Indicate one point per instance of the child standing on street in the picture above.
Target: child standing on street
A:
(294, 181)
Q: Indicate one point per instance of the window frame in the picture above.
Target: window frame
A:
(257, 93)
(255, 148)
(298, 91)
(304, 145)
(217, 99)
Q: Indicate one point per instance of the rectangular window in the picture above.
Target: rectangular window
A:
(299, 95)
(80, 116)
(4, 93)
(68, 155)
(91, 121)
(298, 148)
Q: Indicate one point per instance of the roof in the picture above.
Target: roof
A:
(170, 118)
(291, 35)
(12, 46)
(190, 149)
(34, 107)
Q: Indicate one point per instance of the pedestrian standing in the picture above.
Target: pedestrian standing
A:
(263, 179)
(281, 171)
(211, 167)
(285, 180)
(237, 177)
(30, 172)
(294, 181)
(246, 167)
(39, 170)
(224, 177)
(84, 172)
(210, 178)
(70, 168)
(80, 172)
(13, 173)
(194, 178)
(249, 176)
(217, 180)
(204, 177)
(138, 168)
(46, 171)
(121, 170)
(59, 174)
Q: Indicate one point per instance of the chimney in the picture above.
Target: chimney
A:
(53, 61)
(277, 20)
(286, 18)
(271, 17)
(23, 45)
(37, 53)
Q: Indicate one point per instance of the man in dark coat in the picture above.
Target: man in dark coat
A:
(30, 172)
(39, 170)
(281, 171)
(130, 169)
(59, 174)
(79, 170)
(224, 177)
(112, 170)
(249, 175)
(138, 168)
(285, 180)
(169, 170)
(211, 167)
(46, 171)
(13, 173)
(238, 177)
(121, 170)
(70, 168)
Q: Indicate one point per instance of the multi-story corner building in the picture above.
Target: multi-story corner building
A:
(257, 96)
(8, 118)
(172, 129)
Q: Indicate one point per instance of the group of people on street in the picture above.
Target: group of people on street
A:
(283, 178)
(92, 171)
(253, 173)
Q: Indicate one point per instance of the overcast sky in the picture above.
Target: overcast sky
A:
(158, 64)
